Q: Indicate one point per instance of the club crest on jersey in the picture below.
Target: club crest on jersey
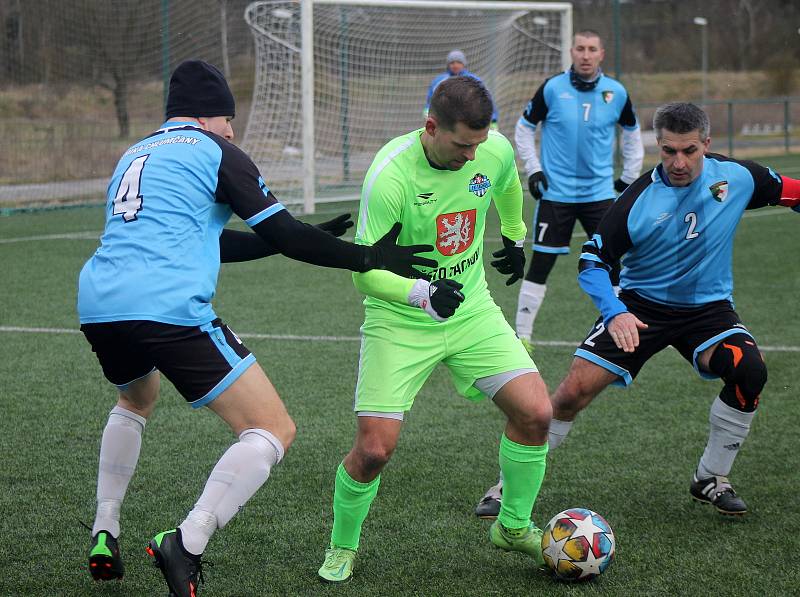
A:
(719, 190)
(479, 184)
(455, 231)
(608, 96)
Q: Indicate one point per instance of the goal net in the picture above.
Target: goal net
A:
(335, 80)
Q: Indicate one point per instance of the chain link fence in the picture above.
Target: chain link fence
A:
(80, 80)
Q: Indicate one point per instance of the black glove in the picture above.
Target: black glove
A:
(337, 226)
(620, 185)
(399, 259)
(534, 180)
(512, 260)
(439, 299)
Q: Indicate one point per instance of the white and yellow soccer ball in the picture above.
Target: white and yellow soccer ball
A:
(578, 544)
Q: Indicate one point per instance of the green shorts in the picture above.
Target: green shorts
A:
(397, 357)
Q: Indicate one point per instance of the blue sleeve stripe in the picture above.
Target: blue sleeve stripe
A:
(264, 214)
(625, 376)
(528, 124)
(631, 128)
(596, 282)
(591, 257)
(555, 250)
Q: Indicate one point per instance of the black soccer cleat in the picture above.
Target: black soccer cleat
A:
(105, 562)
(182, 571)
(718, 492)
(489, 506)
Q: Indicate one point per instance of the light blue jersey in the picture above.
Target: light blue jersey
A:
(676, 243)
(578, 133)
(167, 202)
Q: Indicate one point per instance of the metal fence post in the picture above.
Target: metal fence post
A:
(730, 129)
(786, 125)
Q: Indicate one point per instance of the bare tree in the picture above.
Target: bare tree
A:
(119, 40)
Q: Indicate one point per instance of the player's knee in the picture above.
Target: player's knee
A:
(282, 427)
(534, 420)
(372, 456)
(739, 363)
(269, 447)
(288, 432)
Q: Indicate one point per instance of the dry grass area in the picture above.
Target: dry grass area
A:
(60, 132)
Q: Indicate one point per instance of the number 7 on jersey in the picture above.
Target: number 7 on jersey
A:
(128, 200)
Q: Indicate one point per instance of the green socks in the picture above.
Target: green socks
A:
(351, 502)
(523, 471)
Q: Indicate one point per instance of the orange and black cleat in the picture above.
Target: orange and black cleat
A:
(105, 562)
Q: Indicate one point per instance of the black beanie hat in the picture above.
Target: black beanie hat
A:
(197, 88)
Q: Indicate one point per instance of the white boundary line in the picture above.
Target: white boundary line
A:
(95, 235)
(300, 338)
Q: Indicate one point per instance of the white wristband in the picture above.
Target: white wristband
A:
(420, 296)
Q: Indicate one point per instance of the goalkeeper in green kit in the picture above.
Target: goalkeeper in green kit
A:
(438, 182)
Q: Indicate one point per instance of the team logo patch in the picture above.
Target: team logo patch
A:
(455, 231)
(479, 184)
(719, 190)
(608, 96)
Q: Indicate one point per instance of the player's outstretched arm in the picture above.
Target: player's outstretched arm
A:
(307, 243)
(237, 245)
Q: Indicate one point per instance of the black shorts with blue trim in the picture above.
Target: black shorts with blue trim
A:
(689, 330)
(200, 361)
(554, 222)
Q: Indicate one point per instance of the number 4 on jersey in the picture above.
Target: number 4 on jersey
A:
(128, 200)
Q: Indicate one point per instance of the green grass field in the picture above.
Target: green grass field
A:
(630, 455)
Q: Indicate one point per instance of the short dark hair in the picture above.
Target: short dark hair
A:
(681, 118)
(587, 33)
(461, 99)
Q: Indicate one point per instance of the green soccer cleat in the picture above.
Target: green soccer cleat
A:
(528, 345)
(527, 541)
(105, 562)
(338, 565)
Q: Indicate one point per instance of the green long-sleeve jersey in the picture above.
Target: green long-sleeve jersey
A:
(443, 208)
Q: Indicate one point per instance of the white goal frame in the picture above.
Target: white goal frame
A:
(307, 60)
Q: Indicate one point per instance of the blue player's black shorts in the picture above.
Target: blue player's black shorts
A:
(554, 222)
(200, 361)
(689, 330)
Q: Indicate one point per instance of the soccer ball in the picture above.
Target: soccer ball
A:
(578, 544)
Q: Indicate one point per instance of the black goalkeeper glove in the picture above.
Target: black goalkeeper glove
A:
(399, 259)
(534, 180)
(337, 226)
(512, 259)
(439, 299)
(620, 185)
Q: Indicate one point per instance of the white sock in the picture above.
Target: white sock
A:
(558, 431)
(119, 453)
(530, 300)
(728, 429)
(243, 468)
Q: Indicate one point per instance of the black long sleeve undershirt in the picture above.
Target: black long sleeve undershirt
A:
(238, 245)
(282, 233)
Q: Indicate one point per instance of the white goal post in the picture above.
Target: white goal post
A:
(336, 79)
